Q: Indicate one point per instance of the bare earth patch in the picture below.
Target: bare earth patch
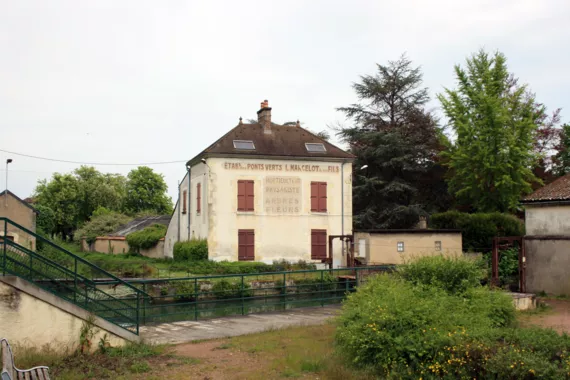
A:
(557, 318)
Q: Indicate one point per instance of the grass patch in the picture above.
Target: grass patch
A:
(292, 352)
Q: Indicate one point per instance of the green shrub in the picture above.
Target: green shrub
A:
(146, 238)
(453, 274)
(225, 289)
(192, 250)
(184, 290)
(100, 225)
(412, 324)
(478, 230)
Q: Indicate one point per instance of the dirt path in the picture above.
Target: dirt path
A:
(558, 318)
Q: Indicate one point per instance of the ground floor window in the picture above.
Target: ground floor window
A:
(318, 244)
(246, 245)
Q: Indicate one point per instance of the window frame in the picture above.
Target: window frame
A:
(317, 255)
(248, 196)
(244, 142)
(184, 201)
(246, 233)
(319, 196)
(198, 198)
(315, 144)
(400, 246)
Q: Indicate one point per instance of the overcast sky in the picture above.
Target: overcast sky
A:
(144, 81)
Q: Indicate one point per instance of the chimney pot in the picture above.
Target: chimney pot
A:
(264, 116)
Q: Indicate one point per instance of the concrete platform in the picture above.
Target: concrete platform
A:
(188, 331)
(524, 301)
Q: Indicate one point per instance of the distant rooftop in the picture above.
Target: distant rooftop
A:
(558, 190)
(141, 223)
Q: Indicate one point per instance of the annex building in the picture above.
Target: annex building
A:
(266, 192)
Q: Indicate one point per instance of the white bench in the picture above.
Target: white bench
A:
(10, 372)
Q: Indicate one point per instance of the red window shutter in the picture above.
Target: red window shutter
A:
(246, 245)
(184, 201)
(322, 197)
(249, 196)
(241, 196)
(314, 196)
(198, 197)
(318, 244)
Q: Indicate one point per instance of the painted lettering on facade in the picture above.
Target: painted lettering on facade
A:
(282, 167)
(282, 195)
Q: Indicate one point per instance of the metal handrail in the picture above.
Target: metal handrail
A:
(78, 258)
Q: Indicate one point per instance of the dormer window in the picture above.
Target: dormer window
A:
(244, 145)
(315, 147)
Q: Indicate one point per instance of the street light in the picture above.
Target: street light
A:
(9, 160)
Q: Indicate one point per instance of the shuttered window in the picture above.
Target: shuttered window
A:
(184, 201)
(246, 245)
(198, 198)
(318, 196)
(245, 195)
(318, 244)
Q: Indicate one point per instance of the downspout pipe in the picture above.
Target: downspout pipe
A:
(179, 211)
(189, 198)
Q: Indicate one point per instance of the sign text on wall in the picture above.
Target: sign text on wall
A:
(282, 195)
(283, 167)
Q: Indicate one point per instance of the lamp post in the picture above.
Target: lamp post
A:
(9, 160)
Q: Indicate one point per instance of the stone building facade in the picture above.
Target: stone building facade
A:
(22, 213)
(266, 192)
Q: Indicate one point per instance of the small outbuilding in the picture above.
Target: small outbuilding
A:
(547, 239)
(22, 213)
(376, 247)
(116, 242)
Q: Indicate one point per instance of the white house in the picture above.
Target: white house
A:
(265, 192)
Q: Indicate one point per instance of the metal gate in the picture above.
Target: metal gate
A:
(502, 243)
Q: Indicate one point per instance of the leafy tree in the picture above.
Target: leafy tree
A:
(45, 221)
(146, 191)
(398, 141)
(74, 197)
(61, 194)
(562, 157)
(494, 120)
(99, 190)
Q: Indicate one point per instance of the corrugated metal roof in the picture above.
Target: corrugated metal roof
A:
(558, 190)
(141, 223)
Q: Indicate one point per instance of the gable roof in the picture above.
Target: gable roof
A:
(558, 190)
(283, 141)
(20, 200)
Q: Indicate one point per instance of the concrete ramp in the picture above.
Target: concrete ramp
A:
(35, 317)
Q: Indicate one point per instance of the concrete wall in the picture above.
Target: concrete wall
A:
(172, 233)
(21, 214)
(118, 245)
(199, 222)
(547, 220)
(382, 248)
(548, 266)
(278, 234)
(32, 316)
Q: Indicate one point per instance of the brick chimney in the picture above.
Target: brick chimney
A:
(264, 116)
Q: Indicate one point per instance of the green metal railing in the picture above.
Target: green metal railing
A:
(70, 277)
(195, 298)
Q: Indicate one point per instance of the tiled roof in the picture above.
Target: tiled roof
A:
(558, 190)
(283, 141)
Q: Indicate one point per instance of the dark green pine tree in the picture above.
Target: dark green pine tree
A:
(398, 141)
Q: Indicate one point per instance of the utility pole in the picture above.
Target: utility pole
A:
(9, 160)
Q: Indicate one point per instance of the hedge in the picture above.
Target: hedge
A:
(146, 238)
(412, 326)
(192, 250)
(478, 230)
